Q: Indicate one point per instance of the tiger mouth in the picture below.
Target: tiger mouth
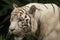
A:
(19, 34)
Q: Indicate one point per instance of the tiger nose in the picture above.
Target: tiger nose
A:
(12, 29)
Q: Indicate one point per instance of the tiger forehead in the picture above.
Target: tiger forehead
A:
(17, 11)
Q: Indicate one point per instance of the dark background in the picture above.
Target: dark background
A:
(5, 11)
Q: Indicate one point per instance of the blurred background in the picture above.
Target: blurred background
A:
(5, 11)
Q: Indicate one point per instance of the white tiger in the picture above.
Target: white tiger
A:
(40, 20)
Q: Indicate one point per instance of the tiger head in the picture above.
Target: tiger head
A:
(21, 21)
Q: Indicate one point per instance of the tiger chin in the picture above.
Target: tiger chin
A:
(39, 20)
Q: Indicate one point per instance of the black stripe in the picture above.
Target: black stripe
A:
(45, 6)
(38, 28)
(53, 7)
(39, 32)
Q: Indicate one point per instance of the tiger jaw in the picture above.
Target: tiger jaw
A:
(20, 34)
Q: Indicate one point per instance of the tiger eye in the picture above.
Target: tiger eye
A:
(26, 19)
(25, 16)
(20, 19)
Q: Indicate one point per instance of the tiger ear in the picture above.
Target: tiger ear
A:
(15, 5)
(32, 9)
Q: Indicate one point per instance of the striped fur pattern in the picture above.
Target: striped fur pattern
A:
(39, 20)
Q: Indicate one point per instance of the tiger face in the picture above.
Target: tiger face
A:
(20, 22)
